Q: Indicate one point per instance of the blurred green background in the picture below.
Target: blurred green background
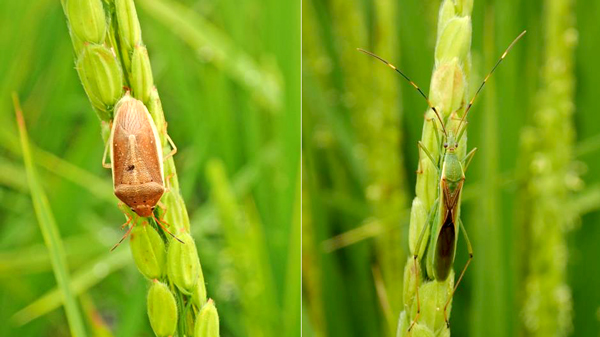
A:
(215, 110)
(361, 123)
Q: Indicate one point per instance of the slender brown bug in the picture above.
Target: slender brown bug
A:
(136, 160)
(443, 220)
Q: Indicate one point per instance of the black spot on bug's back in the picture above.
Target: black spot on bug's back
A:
(130, 167)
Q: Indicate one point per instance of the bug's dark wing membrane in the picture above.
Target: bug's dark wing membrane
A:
(445, 249)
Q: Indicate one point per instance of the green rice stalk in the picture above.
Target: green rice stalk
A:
(110, 55)
(331, 160)
(387, 189)
(312, 291)
(448, 93)
(243, 230)
(376, 121)
(548, 180)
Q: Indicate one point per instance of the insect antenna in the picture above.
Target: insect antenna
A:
(460, 131)
(125, 235)
(411, 83)
(160, 223)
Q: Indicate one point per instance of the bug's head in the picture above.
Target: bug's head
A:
(144, 211)
(451, 144)
(141, 198)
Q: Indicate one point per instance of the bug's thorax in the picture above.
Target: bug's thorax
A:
(452, 170)
(136, 157)
(452, 178)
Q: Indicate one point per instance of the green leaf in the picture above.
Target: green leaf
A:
(49, 231)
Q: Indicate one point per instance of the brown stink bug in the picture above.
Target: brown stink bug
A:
(136, 159)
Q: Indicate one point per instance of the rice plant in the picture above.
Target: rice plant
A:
(343, 270)
(110, 55)
(231, 96)
(426, 312)
(550, 178)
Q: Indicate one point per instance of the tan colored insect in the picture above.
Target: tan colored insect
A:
(136, 159)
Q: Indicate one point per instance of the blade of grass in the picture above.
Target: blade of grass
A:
(50, 232)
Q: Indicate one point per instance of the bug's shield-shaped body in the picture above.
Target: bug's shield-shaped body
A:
(136, 157)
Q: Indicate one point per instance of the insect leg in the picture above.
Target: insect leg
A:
(468, 159)
(161, 224)
(120, 205)
(127, 222)
(462, 273)
(422, 147)
(126, 233)
(168, 182)
(416, 258)
(164, 208)
(173, 147)
(104, 163)
(435, 131)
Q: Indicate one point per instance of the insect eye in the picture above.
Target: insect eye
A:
(456, 145)
(445, 145)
